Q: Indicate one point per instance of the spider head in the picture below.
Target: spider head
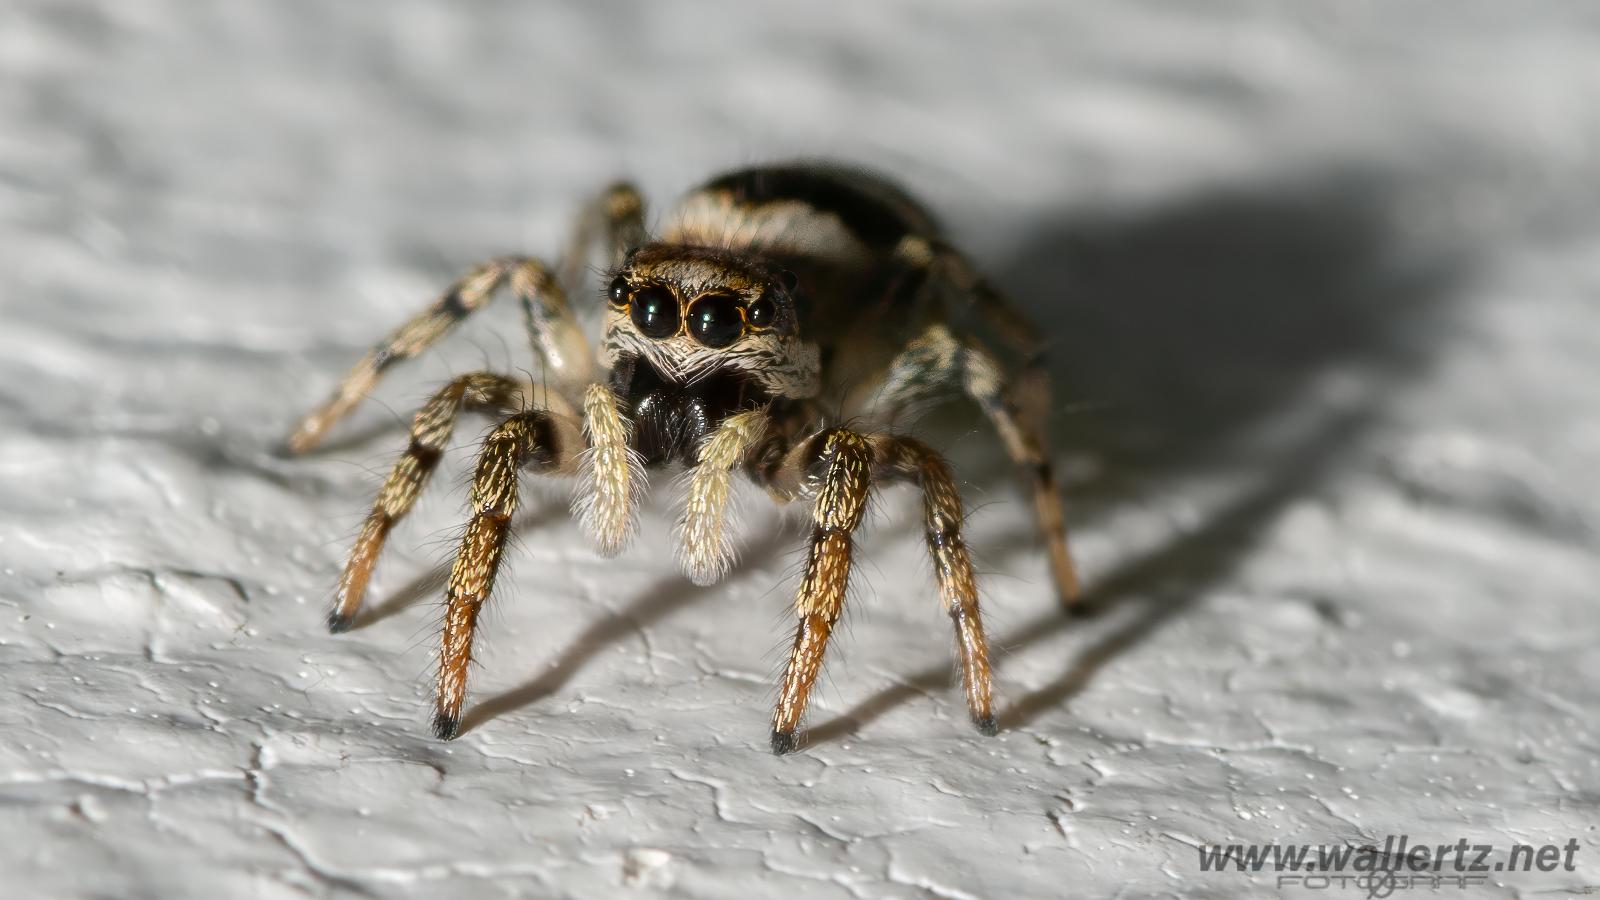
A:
(693, 311)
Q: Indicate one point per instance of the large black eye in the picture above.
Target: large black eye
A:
(715, 320)
(618, 291)
(655, 311)
(763, 312)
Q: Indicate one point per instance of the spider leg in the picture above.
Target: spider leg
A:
(912, 460)
(944, 268)
(1016, 403)
(616, 215)
(529, 439)
(843, 461)
(705, 545)
(922, 371)
(430, 433)
(1025, 443)
(611, 476)
(555, 334)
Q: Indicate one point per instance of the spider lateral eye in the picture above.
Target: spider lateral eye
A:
(655, 311)
(789, 280)
(716, 320)
(618, 291)
(763, 312)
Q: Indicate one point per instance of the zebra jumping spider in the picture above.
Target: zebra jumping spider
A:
(781, 303)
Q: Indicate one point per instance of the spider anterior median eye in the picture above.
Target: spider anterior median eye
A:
(715, 320)
(763, 312)
(655, 311)
(618, 292)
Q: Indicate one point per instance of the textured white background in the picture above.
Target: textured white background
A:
(1322, 285)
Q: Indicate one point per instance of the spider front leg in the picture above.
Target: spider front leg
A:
(533, 439)
(844, 460)
(849, 464)
(430, 433)
(555, 334)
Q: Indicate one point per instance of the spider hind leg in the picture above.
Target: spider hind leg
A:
(1015, 399)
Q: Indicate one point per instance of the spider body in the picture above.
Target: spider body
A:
(777, 328)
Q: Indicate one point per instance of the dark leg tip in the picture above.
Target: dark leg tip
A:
(987, 726)
(338, 623)
(446, 726)
(1082, 609)
(784, 743)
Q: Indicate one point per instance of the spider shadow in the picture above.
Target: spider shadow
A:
(1190, 332)
(666, 597)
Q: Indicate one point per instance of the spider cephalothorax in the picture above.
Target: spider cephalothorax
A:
(771, 290)
(693, 335)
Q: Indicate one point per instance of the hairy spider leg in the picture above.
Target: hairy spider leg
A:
(903, 458)
(1016, 404)
(615, 216)
(534, 439)
(430, 434)
(554, 332)
(843, 460)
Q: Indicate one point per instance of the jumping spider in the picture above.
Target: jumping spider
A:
(782, 302)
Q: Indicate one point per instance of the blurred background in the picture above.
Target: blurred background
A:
(1320, 284)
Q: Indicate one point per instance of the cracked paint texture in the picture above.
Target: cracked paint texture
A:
(1322, 284)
